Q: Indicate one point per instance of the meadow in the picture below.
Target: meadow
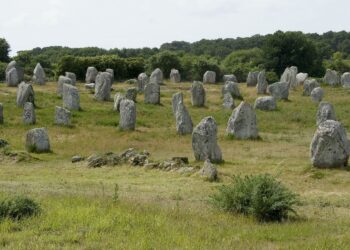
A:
(154, 209)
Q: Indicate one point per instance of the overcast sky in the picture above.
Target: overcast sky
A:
(149, 23)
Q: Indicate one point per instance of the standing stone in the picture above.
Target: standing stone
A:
(118, 97)
(131, 94)
(233, 89)
(228, 102)
(301, 78)
(127, 115)
(208, 171)
(252, 79)
(62, 116)
(152, 93)
(62, 80)
(209, 77)
(197, 94)
(325, 112)
(111, 72)
(175, 76)
(19, 74)
(317, 94)
(39, 75)
(1, 114)
(71, 76)
(345, 80)
(156, 77)
(279, 90)
(330, 146)
(261, 85)
(29, 114)
(142, 80)
(25, 93)
(204, 141)
(71, 98)
(267, 103)
(176, 100)
(12, 77)
(332, 78)
(309, 85)
(184, 123)
(103, 87)
(231, 78)
(290, 76)
(37, 140)
(242, 123)
(91, 74)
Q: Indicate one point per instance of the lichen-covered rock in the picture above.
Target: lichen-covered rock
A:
(204, 141)
(267, 103)
(29, 114)
(209, 77)
(72, 77)
(261, 85)
(37, 140)
(325, 112)
(39, 76)
(309, 85)
(290, 76)
(71, 97)
(242, 123)
(131, 94)
(197, 94)
(175, 76)
(228, 102)
(317, 94)
(233, 89)
(208, 171)
(176, 100)
(231, 78)
(332, 78)
(19, 74)
(156, 77)
(301, 78)
(330, 146)
(12, 78)
(62, 116)
(127, 115)
(152, 93)
(345, 80)
(252, 79)
(62, 80)
(111, 73)
(103, 86)
(118, 97)
(184, 123)
(90, 76)
(25, 93)
(142, 80)
(279, 90)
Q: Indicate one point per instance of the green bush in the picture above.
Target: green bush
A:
(261, 196)
(18, 207)
(2, 71)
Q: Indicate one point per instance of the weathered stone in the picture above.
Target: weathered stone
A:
(91, 74)
(330, 146)
(176, 99)
(152, 93)
(233, 89)
(252, 79)
(111, 72)
(156, 77)
(37, 140)
(325, 112)
(208, 171)
(279, 90)
(301, 78)
(184, 123)
(261, 85)
(62, 80)
(77, 158)
(142, 80)
(209, 77)
(345, 80)
(182, 159)
(103, 87)
(175, 76)
(317, 94)
(19, 74)
(332, 78)
(96, 161)
(197, 94)
(39, 76)
(204, 141)
(242, 123)
(25, 93)
(228, 102)
(29, 114)
(118, 97)
(267, 103)
(131, 94)
(309, 85)
(71, 97)
(127, 115)
(12, 77)
(1, 114)
(229, 78)
(62, 116)
(72, 77)
(290, 76)
(90, 86)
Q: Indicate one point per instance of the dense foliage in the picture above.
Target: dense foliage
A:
(4, 50)
(18, 207)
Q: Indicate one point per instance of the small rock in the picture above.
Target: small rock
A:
(208, 171)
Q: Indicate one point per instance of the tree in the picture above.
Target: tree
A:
(164, 60)
(4, 50)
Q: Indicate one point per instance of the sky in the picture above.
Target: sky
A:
(27, 24)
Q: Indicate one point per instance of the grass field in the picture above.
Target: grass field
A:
(167, 210)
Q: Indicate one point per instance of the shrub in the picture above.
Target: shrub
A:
(261, 196)
(2, 71)
(18, 207)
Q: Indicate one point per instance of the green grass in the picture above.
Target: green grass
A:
(167, 210)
